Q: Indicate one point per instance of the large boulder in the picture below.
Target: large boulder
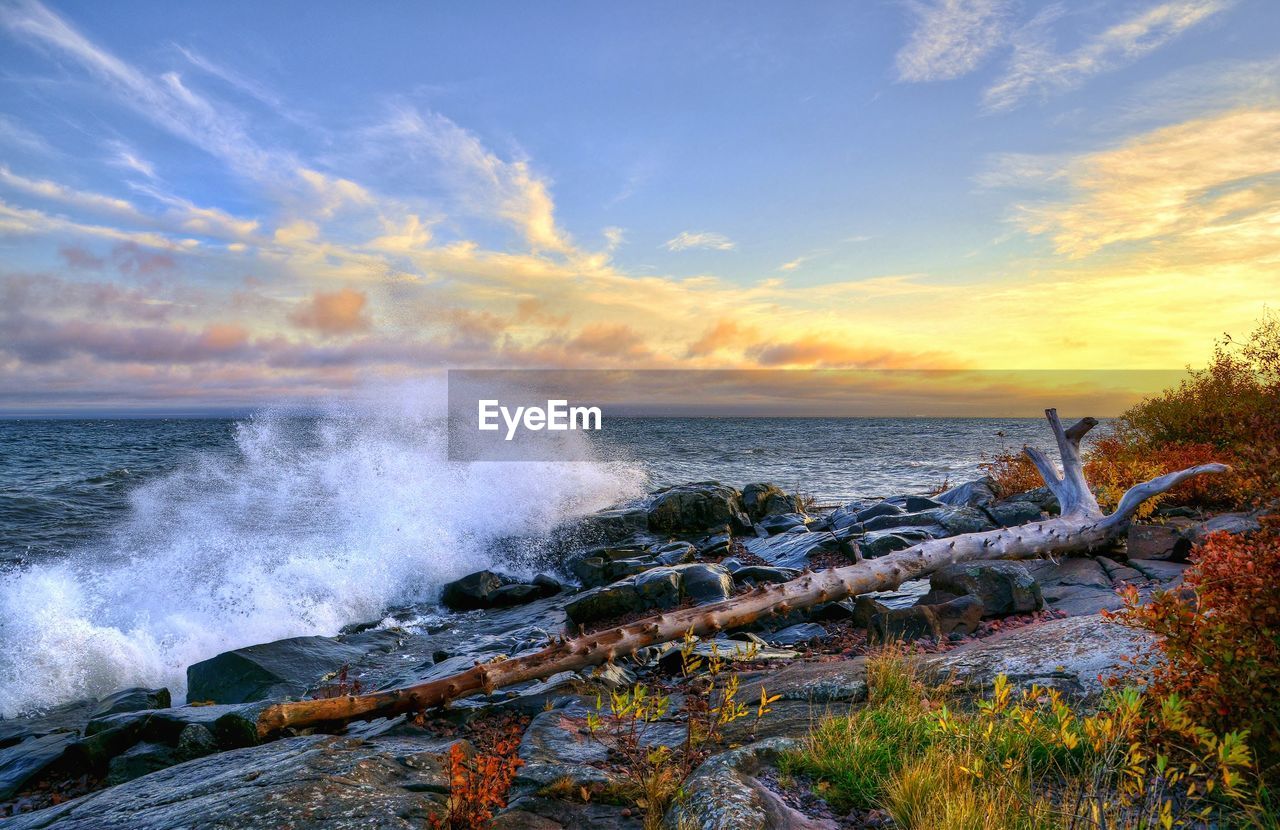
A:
(133, 700)
(978, 493)
(653, 590)
(1003, 587)
(21, 762)
(486, 589)
(725, 793)
(957, 616)
(314, 782)
(694, 508)
(762, 500)
(1075, 655)
(284, 668)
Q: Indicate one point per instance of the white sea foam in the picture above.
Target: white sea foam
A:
(308, 525)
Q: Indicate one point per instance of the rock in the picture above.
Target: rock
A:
(1041, 497)
(1014, 513)
(1069, 654)
(1157, 542)
(795, 634)
(724, 793)
(691, 508)
(958, 616)
(132, 700)
(1168, 574)
(757, 574)
(594, 571)
(284, 668)
(1233, 523)
(139, 760)
(471, 591)
(315, 782)
(609, 526)
(781, 523)
(892, 521)
(880, 543)
(913, 504)
(658, 588)
(763, 500)
(232, 726)
(794, 548)
(1075, 585)
(23, 761)
(1003, 587)
(978, 493)
(958, 520)
(549, 585)
(69, 717)
(875, 511)
(676, 553)
(704, 583)
(196, 741)
(519, 594)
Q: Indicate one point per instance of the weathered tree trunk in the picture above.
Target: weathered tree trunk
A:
(1081, 526)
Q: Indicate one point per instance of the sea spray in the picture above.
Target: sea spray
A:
(309, 523)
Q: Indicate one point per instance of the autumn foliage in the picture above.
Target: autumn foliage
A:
(478, 783)
(1220, 636)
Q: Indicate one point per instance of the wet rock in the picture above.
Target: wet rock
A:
(304, 783)
(284, 668)
(196, 741)
(781, 523)
(23, 761)
(724, 793)
(1069, 654)
(763, 500)
(880, 543)
(518, 594)
(958, 616)
(795, 634)
(914, 504)
(1014, 513)
(958, 520)
(471, 591)
(69, 717)
(691, 508)
(704, 583)
(1003, 587)
(139, 760)
(892, 521)
(758, 574)
(132, 700)
(875, 511)
(978, 493)
(794, 548)
(232, 726)
(676, 553)
(549, 585)
(609, 526)
(658, 588)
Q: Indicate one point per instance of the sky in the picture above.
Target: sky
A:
(233, 204)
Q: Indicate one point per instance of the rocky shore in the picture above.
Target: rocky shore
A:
(133, 760)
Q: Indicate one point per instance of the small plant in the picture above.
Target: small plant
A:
(478, 784)
(338, 685)
(628, 726)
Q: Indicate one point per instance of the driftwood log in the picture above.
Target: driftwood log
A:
(1080, 527)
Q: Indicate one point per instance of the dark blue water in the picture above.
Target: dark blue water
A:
(130, 549)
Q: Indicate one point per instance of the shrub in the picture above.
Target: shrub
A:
(1220, 637)
(478, 784)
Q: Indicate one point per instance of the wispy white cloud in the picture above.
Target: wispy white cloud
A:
(14, 134)
(951, 38)
(700, 239)
(1037, 67)
(55, 192)
(126, 158)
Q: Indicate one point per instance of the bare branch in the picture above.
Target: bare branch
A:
(1139, 493)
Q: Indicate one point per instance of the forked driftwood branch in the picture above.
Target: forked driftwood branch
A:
(1081, 526)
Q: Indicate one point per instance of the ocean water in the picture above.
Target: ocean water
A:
(132, 548)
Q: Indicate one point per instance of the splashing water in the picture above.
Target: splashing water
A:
(309, 524)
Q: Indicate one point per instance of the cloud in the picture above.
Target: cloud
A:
(951, 38)
(1206, 189)
(608, 340)
(79, 258)
(1037, 67)
(132, 259)
(700, 239)
(54, 192)
(334, 312)
(818, 352)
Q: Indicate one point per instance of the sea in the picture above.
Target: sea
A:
(131, 548)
